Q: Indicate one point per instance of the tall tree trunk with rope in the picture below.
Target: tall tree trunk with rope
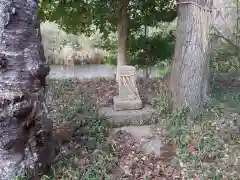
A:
(189, 72)
(26, 141)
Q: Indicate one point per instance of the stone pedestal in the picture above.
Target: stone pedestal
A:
(128, 98)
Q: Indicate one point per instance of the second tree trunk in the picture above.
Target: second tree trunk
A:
(188, 80)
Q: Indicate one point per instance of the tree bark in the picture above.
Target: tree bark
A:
(148, 66)
(188, 80)
(26, 141)
(122, 27)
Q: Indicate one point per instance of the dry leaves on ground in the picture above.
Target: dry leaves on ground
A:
(137, 165)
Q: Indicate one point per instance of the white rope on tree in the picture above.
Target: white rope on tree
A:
(196, 4)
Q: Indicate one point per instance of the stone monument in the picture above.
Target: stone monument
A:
(128, 98)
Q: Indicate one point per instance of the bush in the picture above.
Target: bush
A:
(110, 45)
(152, 50)
(158, 47)
(224, 60)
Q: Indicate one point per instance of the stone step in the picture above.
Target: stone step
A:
(150, 141)
(147, 135)
(128, 117)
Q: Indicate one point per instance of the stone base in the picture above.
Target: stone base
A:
(125, 104)
(147, 135)
(128, 117)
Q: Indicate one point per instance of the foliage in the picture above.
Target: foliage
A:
(144, 52)
(72, 16)
(78, 16)
(87, 16)
(162, 104)
(225, 60)
(148, 51)
(110, 44)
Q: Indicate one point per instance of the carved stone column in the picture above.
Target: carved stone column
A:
(128, 98)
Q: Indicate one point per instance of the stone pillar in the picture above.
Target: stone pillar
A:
(128, 98)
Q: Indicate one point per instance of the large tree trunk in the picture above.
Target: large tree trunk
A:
(122, 27)
(26, 141)
(188, 80)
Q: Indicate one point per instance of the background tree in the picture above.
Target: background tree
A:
(188, 81)
(26, 131)
(123, 16)
(153, 47)
(148, 50)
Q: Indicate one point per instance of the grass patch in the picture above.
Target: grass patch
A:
(163, 72)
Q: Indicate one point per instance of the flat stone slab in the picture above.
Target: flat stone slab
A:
(147, 135)
(128, 117)
(125, 104)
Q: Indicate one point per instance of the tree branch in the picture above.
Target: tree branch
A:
(220, 35)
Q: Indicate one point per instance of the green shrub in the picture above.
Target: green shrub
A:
(224, 60)
(157, 51)
(110, 45)
(148, 51)
(162, 104)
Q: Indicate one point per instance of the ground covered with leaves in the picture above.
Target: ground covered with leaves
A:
(206, 149)
(137, 164)
(87, 150)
